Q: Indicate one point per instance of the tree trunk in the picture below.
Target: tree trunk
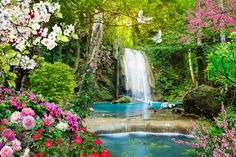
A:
(201, 65)
(191, 67)
(96, 37)
(222, 34)
(117, 70)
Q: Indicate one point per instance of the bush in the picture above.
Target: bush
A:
(124, 99)
(55, 81)
(221, 67)
(218, 140)
(31, 126)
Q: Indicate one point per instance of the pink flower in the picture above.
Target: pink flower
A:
(92, 65)
(27, 112)
(15, 117)
(6, 151)
(26, 153)
(78, 140)
(9, 134)
(4, 121)
(48, 120)
(28, 122)
(16, 145)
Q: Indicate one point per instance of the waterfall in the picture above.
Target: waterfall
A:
(136, 75)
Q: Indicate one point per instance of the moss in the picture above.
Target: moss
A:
(104, 95)
(123, 100)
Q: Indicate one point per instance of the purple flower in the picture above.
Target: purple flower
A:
(2, 144)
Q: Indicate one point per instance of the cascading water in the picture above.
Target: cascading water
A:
(136, 75)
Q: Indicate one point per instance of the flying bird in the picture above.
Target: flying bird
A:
(141, 18)
(157, 37)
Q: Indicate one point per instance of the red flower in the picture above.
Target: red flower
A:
(97, 141)
(48, 143)
(41, 155)
(59, 141)
(83, 155)
(36, 136)
(78, 140)
(83, 128)
(41, 130)
(105, 153)
(94, 155)
(35, 155)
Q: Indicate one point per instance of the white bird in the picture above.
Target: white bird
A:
(141, 18)
(157, 37)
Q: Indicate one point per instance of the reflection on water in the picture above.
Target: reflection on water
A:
(141, 144)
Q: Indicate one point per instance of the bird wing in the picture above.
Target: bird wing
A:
(158, 35)
(140, 20)
(158, 40)
(140, 13)
(147, 18)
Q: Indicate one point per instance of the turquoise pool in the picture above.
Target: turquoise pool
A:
(142, 144)
(120, 110)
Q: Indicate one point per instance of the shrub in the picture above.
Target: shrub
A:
(86, 92)
(55, 81)
(31, 126)
(218, 140)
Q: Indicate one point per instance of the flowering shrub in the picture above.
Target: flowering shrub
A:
(24, 27)
(86, 93)
(30, 126)
(218, 140)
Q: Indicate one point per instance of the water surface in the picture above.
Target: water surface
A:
(141, 144)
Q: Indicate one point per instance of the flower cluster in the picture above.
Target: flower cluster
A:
(9, 144)
(19, 22)
(22, 25)
(42, 127)
(216, 141)
(22, 61)
(210, 16)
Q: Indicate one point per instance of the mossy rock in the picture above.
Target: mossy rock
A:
(104, 95)
(203, 101)
(123, 100)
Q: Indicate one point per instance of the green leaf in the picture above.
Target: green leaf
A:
(75, 36)
(11, 83)
(64, 39)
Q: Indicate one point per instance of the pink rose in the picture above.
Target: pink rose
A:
(15, 117)
(26, 153)
(28, 122)
(6, 151)
(8, 134)
(27, 112)
(16, 145)
(48, 120)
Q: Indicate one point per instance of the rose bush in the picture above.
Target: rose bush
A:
(30, 126)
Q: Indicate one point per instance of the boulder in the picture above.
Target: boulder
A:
(203, 101)
(123, 100)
